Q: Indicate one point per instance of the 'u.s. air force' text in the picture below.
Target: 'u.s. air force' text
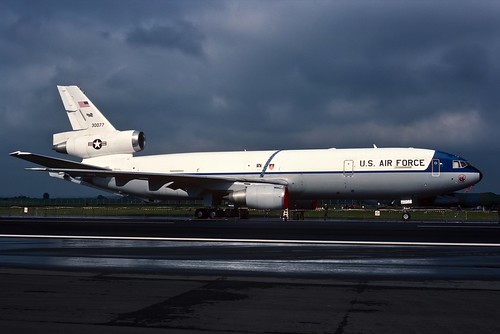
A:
(393, 163)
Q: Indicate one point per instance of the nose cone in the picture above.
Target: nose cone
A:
(478, 176)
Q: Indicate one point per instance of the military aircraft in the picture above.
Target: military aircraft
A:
(271, 179)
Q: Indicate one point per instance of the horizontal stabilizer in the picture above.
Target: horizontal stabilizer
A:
(50, 162)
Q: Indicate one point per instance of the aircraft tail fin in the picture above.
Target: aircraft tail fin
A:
(92, 135)
(82, 113)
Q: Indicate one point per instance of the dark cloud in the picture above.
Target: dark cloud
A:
(224, 75)
(466, 66)
(182, 36)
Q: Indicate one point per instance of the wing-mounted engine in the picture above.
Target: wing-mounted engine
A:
(87, 145)
(261, 196)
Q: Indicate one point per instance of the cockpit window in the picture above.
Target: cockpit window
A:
(459, 164)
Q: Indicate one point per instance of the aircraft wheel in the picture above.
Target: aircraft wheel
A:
(406, 216)
(212, 214)
(201, 213)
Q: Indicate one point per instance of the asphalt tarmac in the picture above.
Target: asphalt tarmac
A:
(125, 275)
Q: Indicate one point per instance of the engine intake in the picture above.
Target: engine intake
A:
(261, 196)
(85, 145)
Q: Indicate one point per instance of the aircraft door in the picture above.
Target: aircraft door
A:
(348, 167)
(436, 167)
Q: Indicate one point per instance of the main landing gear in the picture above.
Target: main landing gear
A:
(213, 213)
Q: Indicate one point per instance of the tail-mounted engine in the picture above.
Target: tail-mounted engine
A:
(84, 145)
(261, 196)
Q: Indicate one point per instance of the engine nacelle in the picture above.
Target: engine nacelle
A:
(261, 196)
(84, 145)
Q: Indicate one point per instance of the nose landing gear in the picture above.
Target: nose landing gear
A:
(406, 216)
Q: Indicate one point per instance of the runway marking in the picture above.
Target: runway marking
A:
(266, 241)
(458, 226)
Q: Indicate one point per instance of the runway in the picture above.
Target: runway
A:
(263, 230)
(315, 248)
(250, 276)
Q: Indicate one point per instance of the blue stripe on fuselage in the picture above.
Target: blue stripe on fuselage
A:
(446, 163)
(268, 174)
(268, 162)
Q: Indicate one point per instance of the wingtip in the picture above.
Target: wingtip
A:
(18, 153)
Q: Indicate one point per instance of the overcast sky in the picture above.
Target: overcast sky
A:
(234, 75)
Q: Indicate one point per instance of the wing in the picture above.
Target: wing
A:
(155, 180)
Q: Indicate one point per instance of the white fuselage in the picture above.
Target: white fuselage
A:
(371, 173)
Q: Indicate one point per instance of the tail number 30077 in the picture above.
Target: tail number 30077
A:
(97, 125)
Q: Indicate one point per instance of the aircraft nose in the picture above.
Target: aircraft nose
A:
(480, 174)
